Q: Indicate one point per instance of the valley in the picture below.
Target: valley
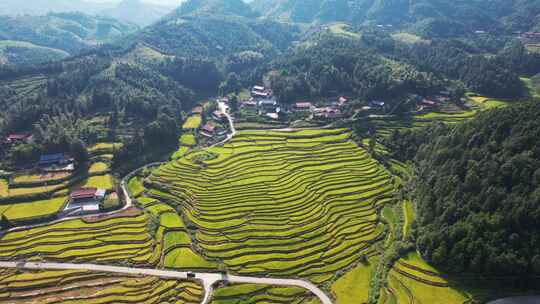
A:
(270, 152)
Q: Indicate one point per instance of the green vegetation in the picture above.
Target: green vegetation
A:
(487, 169)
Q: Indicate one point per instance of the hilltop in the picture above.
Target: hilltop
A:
(423, 16)
(33, 39)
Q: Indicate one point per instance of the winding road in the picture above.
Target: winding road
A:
(207, 279)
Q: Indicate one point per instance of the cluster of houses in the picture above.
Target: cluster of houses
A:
(332, 110)
(263, 102)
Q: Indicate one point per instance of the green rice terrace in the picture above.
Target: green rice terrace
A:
(307, 204)
(93, 288)
(299, 204)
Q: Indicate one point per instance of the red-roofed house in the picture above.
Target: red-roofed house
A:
(327, 112)
(208, 130)
(342, 101)
(303, 106)
(18, 137)
(218, 115)
(429, 103)
(85, 201)
(197, 110)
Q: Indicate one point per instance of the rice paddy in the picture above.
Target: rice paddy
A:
(412, 280)
(78, 286)
(192, 122)
(283, 204)
(261, 294)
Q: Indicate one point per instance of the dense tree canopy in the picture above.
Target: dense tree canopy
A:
(477, 189)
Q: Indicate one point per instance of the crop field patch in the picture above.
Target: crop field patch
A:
(279, 203)
(85, 287)
(192, 122)
(261, 294)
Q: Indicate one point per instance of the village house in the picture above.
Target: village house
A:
(302, 106)
(217, 115)
(85, 201)
(274, 116)
(377, 104)
(18, 138)
(259, 92)
(342, 101)
(208, 130)
(267, 105)
(56, 162)
(197, 110)
(249, 104)
(328, 113)
(428, 103)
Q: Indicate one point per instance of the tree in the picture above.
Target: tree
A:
(233, 101)
(5, 223)
(232, 84)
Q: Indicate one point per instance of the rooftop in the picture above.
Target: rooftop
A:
(208, 127)
(197, 110)
(83, 193)
(303, 105)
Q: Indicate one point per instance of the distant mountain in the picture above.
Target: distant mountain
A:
(428, 16)
(216, 29)
(32, 39)
(42, 7)
(138, 12)
(134, 11)
(216, 7)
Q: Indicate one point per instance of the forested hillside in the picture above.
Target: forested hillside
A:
(477, 192)
(424, 15)
(34, 39)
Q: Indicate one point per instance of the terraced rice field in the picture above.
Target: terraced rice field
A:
(172, 238)
(261, 294)
(353, 287)
(77, 286)
(192, 122)
(100, 181)
(412, 280)
(123, 239)
(35, 209)
(284, 204)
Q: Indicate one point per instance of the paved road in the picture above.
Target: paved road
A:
(207, 279)
(224, 108)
